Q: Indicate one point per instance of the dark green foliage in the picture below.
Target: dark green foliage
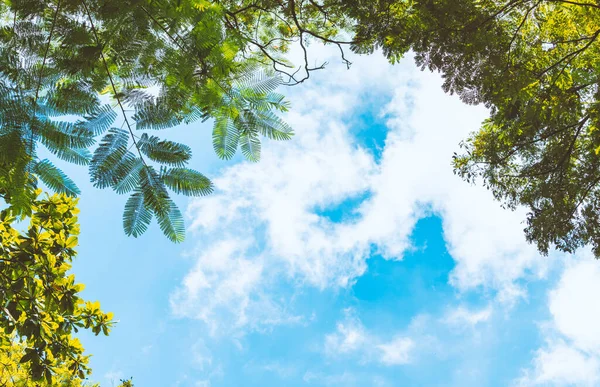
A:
(99, 120)
(136, 216)
(535, 65)
(186, 181)
(171, 223)
(164, 151)
(162, 63)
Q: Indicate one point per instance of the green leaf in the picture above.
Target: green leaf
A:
(29, 354)
(129, 175)
(99, 120)
(110, 154)
(73, 97)
(57, 135)
(55, 179)
(79, 156)
(136, 216)
(171, 223)
(163, 151)
(155, 193)
(186, 181)
(225, 137)
(273, 127)
(155, 115)
(250, 144)
(260, 82)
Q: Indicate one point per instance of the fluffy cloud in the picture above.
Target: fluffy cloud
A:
(351, 338)
(276, 206)
(225, 286)
(574, 305)
(397, 351)
(571, 355)
(562, 364)
(464, 317)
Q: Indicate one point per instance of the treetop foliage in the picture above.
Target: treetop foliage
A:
(13, 373)
(536, 65)
(161, 63)
(41, 306)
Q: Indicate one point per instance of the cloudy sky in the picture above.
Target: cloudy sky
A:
(350, 255)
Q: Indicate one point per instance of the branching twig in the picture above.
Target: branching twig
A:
(572, 54)
(39, 84)
(562, 160)
(112, 83)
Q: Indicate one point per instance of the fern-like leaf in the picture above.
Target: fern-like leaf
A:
(55, 179)
(72, 98)
(136, 216)
(250, 144)
(110, 153)
(129, 175)
(260, 81)
(186, 181)
(63, 134)
(164, 151)
(155, 115)
(171, 223)
(273, 127)
(79, 156)
(225, 137)
(99, 120)
(155, 193)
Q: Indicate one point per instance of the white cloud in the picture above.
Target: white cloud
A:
(571, 355)
(225, 286)
(561, 364)
(397, 351)
(344, 379)
(351, 338)
(201, 355)
(464, 317)
(574, 305)
(279, 368)
(269, 211)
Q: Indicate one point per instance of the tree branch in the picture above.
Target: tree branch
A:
(112, 83)
(39, 83)
(572, 54)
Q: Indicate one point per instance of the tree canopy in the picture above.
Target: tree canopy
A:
(92, 80)
(14, 374)
(536, 66)
(160, 63)
(41, 306)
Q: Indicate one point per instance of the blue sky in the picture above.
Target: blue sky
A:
(350, 255)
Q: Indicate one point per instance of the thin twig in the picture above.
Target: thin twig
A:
(39, 84)
(112, 83)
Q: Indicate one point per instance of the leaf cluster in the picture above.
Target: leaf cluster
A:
(41, 305)
(536, 65)
(160, 64)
